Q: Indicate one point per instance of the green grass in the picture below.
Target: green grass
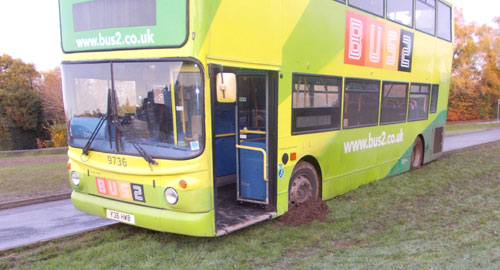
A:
(455, 129)
(28, 177)
(34, 152)
(443, 216)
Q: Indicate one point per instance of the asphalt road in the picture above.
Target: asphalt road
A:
(40, 222)
(470, 139)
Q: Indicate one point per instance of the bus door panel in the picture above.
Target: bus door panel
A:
(252, 165)
(225, 140)
(242, 142)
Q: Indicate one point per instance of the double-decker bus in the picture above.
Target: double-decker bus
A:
(203, 117)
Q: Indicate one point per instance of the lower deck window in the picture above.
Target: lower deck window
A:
(316, 103)
(394, 100)
(434, 98)
(361, 103)
(418, 108)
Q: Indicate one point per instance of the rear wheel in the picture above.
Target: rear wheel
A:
(303, 184)
(417, 154)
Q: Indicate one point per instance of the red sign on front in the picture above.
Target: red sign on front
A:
(114, 188)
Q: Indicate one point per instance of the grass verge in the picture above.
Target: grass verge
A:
(24, 178)
(456, 129)
(34, 152)
(445, 215)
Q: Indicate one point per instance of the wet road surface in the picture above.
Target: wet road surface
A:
(470, 139)
(39, 222)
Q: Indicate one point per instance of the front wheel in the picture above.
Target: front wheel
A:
(417, 154)
(303, 184)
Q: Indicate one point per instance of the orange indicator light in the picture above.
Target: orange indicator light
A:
(69, 166)
(293, 156)
(183, 184)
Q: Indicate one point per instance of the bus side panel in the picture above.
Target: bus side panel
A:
(247, 31)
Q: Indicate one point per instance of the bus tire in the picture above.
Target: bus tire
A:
(303, 184)
(417, 153)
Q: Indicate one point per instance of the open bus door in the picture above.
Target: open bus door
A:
(244, 148)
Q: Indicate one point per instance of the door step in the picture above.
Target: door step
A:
(246, 223)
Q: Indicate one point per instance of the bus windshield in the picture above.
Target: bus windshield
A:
(156, 105)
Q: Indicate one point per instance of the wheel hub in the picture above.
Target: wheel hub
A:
(301, 190)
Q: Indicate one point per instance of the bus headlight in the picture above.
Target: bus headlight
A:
(171, 195)
(75, 178)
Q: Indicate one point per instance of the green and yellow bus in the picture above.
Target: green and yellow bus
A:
(202, 117)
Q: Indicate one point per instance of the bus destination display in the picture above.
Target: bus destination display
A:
(122, 24)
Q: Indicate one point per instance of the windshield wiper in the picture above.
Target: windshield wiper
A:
(86, 148)
(132, 139)
(113, 119)
(102, 119)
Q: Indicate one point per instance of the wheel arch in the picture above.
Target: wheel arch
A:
(420, 153)
(423, 147)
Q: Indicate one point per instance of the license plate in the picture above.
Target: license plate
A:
(119, 216)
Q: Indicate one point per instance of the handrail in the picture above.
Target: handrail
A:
(224, 135)
(260, 150)
(174, 112)
(247, 131)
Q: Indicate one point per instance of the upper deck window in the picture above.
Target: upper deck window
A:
(375, 7)
(444, 21)
(400, 11)
(425, 11)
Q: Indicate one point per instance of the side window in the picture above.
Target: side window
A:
(444, 21)
(425, 16)
(361, 101)
(341, 1)
(394, 100)
(434, 98)
(418, 108)
(400, 11)
(375, 7)
(316, 103)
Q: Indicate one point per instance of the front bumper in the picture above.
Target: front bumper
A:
(195, 224)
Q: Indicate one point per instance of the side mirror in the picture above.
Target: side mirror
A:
(226, 87)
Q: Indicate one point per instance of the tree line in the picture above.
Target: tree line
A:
(475, 81)
(31, 104)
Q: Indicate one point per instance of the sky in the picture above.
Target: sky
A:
(30, 28)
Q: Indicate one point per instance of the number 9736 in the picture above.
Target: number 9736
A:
(117, 161)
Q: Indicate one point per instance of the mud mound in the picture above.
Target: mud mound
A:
(304, 213)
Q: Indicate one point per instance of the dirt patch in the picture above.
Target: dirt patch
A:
(304, 213)
(32, 160)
